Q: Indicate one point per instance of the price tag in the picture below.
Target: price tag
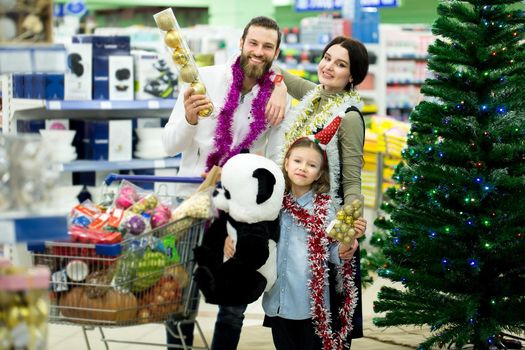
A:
(55, 105)
(105, 105)
(159, 163)
(152, 104)
(8, 232)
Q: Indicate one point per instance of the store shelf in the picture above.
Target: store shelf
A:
(97, 109)
(303, 47)
(405, 81)
(104, 165)
(31, 58)
(19, 227)
(407, 56)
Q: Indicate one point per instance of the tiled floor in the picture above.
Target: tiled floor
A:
(253, 337)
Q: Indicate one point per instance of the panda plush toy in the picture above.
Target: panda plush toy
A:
(249, 199)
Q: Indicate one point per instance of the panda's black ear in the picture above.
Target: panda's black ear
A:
(266, 183)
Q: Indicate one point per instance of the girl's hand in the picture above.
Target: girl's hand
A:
(276, 105)
(359, 227)
(346, 251)
(229, 247)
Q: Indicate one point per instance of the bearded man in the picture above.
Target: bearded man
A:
(239, 92)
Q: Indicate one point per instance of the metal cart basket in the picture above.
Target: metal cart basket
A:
(143, 279)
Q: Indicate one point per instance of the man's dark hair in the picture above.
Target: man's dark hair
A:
(265, 22)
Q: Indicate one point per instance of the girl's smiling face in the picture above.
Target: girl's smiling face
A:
(303, 167)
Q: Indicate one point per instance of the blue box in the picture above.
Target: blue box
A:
(96, 140)
(366, 27)
(28, 85)
(30, 126)
(18, 86)
(103, 47)
(54, 89)
(39, 85)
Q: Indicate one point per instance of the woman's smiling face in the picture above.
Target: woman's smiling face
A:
(334, 69)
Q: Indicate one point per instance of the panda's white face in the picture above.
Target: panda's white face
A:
(252, 189)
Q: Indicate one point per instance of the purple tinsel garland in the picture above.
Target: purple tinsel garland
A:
(223, 134)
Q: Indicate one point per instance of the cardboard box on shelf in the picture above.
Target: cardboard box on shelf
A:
(121, 78)
(79, 73)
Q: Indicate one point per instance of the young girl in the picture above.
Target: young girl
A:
(297, 315)
(343, 66)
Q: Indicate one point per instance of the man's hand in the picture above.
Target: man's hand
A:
(229, 247)
(346, 251)
(193, 104)
(276, 105)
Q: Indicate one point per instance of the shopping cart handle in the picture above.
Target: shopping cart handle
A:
(152, 178)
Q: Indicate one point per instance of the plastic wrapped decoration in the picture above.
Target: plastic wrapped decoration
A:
(342, 228)
(181, 54)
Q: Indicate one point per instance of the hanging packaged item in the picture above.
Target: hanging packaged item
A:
(181, 54)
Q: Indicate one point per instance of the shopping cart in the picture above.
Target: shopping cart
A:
(142, 279)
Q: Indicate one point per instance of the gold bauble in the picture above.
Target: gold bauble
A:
(198, 88)
(356, 203)
(180, 57)
(173, 39)
(188, 73)
(165, 22)
(206, 112)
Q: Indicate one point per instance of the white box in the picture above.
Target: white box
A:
(121, 78)
(78, 79)
(154, 78)
(120, 135)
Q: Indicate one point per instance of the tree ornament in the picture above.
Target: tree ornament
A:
(188, 74)
(198, 88)
(173, 39)
(165, 22)
(180, 57)
(343, 229)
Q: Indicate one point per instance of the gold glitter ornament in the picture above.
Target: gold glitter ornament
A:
(173, 39)
(188, 74)
(205, 112)
(165, 22)
(180, 57)
(198, 88)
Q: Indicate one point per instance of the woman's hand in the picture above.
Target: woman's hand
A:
(276, 105)
(346, 251)
(193, 104)
(229, 247)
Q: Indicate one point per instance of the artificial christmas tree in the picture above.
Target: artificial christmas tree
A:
(456, 226)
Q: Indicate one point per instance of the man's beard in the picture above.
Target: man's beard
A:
(254, 71)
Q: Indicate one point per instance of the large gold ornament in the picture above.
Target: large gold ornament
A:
(205, 112)
(173, 39)
(165, 22)
(198, 88)
(181, 57)
(188, 74)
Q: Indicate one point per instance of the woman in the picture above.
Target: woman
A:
(343, 66)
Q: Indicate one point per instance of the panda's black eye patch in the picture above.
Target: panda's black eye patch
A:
(227, 194)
